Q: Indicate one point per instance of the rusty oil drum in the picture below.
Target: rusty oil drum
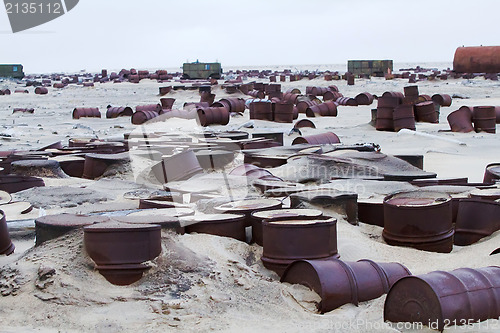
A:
(364, 98)
(484, 118)
(283, 112)
(225, 225)
(476, 219)
(480, 59)
(339, 283)
(120, 111)
(426, 112)
(326, 109)
(317, 139)
(403, 117)
(140, 117)
(419, 219)
(440, 299)
(492, 173)
(213, 116)
(285, 241)
(442, 99)
(86, 112)
(461, 120)
(6, 246)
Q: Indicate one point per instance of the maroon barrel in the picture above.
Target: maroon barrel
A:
(384, 120)
(290, 97)
(86, 112)
(419, 219)
(364, 98)
(442, 99)
(6, 246)
(285, 241)
(261, 110)
(167, 103)
(283, 112)
(484, 118)
(403, 117)
(346, 101)
(120, 249)
(318, 91)
(232, 104)
(338, 282)
(326, 109)
(461, 120)
(213, 116)
(476, 219)
(149, 107)
(257, 94)
(426, 112)
(58, 85)
(5, 92)
(318, 139)
(164, 90)
(303, 104)
(439, 299)
(14, 183)
(21, 91)
(304, 123)
(492, 173)
(23, 110)
(206, 96)
(88, 84)
(225, 225)
(480, 59)
(140, 117)
(497, 112)
(119, 111)
(41, 91)
(394, 94)
(331, 95)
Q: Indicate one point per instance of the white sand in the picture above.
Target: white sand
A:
(203, 282)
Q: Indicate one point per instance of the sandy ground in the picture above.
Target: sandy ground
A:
(209, 283)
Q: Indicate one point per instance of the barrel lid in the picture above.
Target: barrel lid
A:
(495, 169)
(248, 205)
(417, 198)
(299, 221)
(490, 193)
(210, 218)
(70, 220)
(277, 213)
(149, 219)
(114, 226)
(5, 197)
(166, 212)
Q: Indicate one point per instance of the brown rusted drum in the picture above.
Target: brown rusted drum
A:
(480, 59)
(394, 94)
(290, 97)
(53, 226)
(282, 214)
(232, 104)
(492, 173)
(425, 112)
(140, 117)
(261, 110)
(283, 112)
(96, 164)
(419, 219)
(120, 111)
(364, 98)
(439, 299)
(6, 246)
(257, 94)
(14, 183)
(207, 96)
(476, 219)
(285, 241)
(326, 109)
(23, 110)
(41, 91)
(149, 107)
(384, 120)
(316, 91)
(461, 120)
(331, 95)
(442, 99)
(317, 139)
(403, 117)
(167, 103)
(304, 123)
(225, 225)
(371, 211)
(86, 112)
(339, 283)
(164, 90)
(213, 116)
(484, 118)
(180, 166)
(497, 112)
(119, 249)
(304, 104)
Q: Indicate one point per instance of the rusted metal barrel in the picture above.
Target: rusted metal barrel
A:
(484, 118)
(179, 166)
(326, 109)
(167, 103)
(290, 97)
(231, 104)
(23, 110)
(492, 173)
(426, 112)
(261, 110)
(257, 94)
(303, 104)
(213, 116)
(394, 94)
(5, 92)
(403, 117)
(247, 207)
(317, 139)
(364, 98)
(140, 117)
(481, 59)
(476, 219)
(6, 246)
(206, 96)
(41, 91)
(461, 120)
(497, 112)
(88, 84)
(384, 121)
(14, 183)
(318, 91)
(165, 90)
(285, 241)
(149, 107)
(304, 123)
(440, 299)
(419, 219)
(346, 101)
(338, 282)
(283, 112)
(225, 225)
(119, 111)
(21, 91)
(332, 95)
(86, 112)
(442, 99)
(283, 214)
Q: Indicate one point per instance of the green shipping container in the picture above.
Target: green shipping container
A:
(14, 71)
(201, 70)
(370, 67)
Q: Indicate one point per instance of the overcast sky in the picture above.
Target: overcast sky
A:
(165, 33)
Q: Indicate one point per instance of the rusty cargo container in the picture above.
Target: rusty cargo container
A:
(371, 67)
